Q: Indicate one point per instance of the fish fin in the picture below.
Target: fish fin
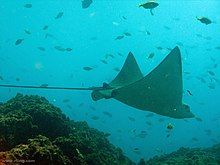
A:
(129, 73)
(160, 91)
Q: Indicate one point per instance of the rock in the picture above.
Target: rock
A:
(33, 129)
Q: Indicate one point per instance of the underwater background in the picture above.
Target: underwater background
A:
(63, 44)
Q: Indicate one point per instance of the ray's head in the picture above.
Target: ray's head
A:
(96, 95)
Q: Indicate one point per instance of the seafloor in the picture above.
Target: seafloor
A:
(33, 131)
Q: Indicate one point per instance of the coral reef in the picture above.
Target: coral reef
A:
(37, 151)
(193, 156)
(32, 129)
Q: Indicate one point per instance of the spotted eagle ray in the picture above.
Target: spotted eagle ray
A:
(160, 91)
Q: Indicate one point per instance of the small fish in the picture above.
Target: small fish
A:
(208, 132)
(104, 62)
(119, 131)
(107, 114)
(211, 86)
(208, 49)
(204, 20)
(66, 100)
(159, 150)
(161, 120)
(201, 103)
(186, 72)
(159, 48)
(94, 117)
(215, 66)
(151, 55)
(107, 134)
(199, 35)
(19, 41)
(213, 60)
(59, 48)
(189, 92)
(176, 19)
(147, 32)
(109, 55)
(211, 73)
(166, 27)
(27, 31)
(170, 126)
(1, 78)
(81, 104)
(120, 54)
(179, 43)
(127, 34)
(86, 3)
(124, 17)
(216, 80)
(49, 35)
(59, 15)
(69, 49)
(217, 47)
(17, 79)
(116, 69)
(144, 132)
(131, 118)
(44, 85)
(208, 38)
(149, 5)
(69, 106)
(28, 5)
(133, 130)
(92, 108)
(119, 37)
(93, 38)
(149, 123)
(194, 139)
(141, 135)
(45, 27)
(198, 119)
(41, 48)
(136, 150)
(168, 135)
(149, 115)
(87, 68)
(201, 79)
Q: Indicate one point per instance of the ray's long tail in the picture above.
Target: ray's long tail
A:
(50, 87)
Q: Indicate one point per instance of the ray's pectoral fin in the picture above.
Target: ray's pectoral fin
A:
(129, 74)
(160, 91)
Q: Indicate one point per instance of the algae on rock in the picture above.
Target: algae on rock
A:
(33, 129)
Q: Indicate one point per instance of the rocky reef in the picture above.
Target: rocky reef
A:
(192, 156)
(34, 131)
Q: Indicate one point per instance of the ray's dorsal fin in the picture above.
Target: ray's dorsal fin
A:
(129, 73)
